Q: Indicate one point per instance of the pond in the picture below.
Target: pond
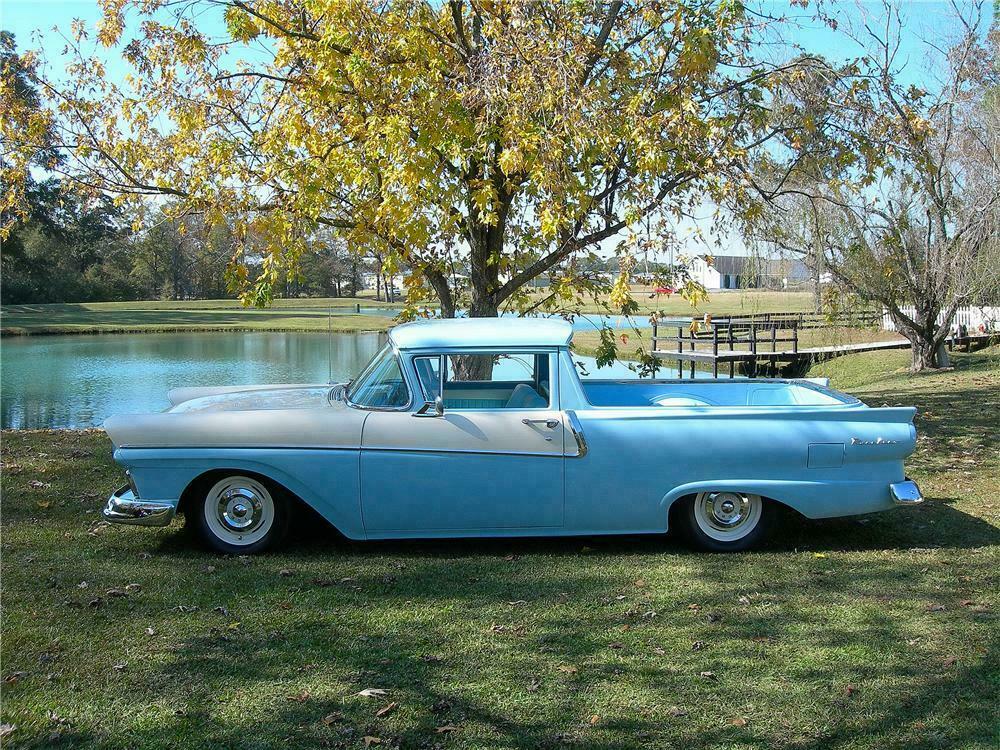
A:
(581, 322)
(79, 381)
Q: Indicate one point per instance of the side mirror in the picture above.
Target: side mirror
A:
(433, 408)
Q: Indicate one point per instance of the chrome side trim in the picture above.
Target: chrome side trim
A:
(461, 451)
(124, 507)
(577, 429)
(906, 493)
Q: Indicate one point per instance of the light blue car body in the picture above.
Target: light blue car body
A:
(601, 457)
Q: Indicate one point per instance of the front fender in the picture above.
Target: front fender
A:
(325, 480)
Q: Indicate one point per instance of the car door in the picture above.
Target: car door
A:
(492, 461)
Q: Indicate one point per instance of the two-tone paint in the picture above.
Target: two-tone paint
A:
(603, 457)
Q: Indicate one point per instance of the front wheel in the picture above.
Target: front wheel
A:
(241, 515)
(725, 521)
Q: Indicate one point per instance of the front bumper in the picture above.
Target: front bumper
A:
(124, 507)
(906, 493)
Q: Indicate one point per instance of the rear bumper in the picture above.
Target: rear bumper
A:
(124, 507)
(906, 493)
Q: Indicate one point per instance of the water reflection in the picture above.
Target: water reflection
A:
(79, 381)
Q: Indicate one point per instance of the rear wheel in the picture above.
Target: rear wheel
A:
(725, 521)
(240, 515)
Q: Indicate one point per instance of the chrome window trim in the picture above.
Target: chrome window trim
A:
(551, 352)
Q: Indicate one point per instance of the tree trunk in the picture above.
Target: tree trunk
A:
(929, 355)
(927, 338)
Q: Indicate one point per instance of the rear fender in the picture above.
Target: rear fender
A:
(812, 499)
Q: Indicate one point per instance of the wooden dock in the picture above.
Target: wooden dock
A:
(753, 343)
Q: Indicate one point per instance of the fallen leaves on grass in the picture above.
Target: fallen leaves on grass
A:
(447, 729)
(739, 721)
(6, 730)
(677, 712)
(935, 608)
(37, 485)
(950, 661)
(330, 719)
(14, 677)
(707, 675)
(369, 740)
(301, 697)
(567, 669)
(386, 709)
(372, 693)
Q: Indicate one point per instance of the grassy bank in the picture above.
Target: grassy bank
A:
(308, 314)
(877, 632)
(194, 315)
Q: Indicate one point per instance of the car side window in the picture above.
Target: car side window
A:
(487, 380)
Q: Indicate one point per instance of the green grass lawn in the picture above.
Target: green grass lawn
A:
(874, 632)
(309, 314)
(195, 315)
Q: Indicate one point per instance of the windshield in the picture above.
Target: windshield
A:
(380, 385)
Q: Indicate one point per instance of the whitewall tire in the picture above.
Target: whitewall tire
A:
(725, 521)
(240, 515)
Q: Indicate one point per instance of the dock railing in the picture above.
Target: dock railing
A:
(744, 338)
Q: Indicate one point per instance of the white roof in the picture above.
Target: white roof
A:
(485, 332)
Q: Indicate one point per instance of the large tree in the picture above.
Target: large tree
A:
(895, 188)
(504, 136)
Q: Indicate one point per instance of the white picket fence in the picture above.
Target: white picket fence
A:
(971, 317)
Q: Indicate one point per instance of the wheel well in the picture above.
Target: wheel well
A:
(201, 482)
(675, 507)
(303, 514)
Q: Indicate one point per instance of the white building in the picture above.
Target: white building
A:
(748, 272)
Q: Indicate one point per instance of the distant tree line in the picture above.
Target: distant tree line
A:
(73, 248)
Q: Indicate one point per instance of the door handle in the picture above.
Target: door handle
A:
(550, 423)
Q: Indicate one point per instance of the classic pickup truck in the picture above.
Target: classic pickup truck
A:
(484, 427)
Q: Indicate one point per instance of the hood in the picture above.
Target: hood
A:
(256, 398)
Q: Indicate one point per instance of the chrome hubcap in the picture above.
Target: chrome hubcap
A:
(240, 509)
(726, 510)
(727, 516)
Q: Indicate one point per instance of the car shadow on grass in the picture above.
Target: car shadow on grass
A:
(935, 524)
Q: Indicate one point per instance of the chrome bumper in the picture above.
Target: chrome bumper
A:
(906, 493)
(124, 507)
